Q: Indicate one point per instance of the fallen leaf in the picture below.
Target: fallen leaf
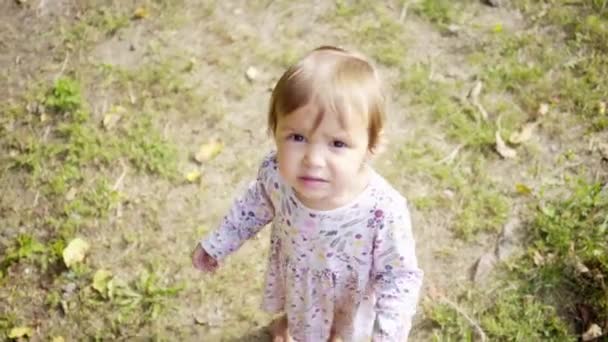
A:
(75, 252)
(522, 189)
(539, 260)
(58, 339)
(113, 116)
(110, 121)
(18, 332)
(251, 74)
(193, 176)
(208, 151)
(524, 134)
(543, 109)
(101, 280)
(141, 13)
(71, 194)
(502, 148)
(475, 91)
(580, 267)
(601, 108)
(592, 333)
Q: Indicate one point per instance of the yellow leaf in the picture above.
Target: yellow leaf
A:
(201, 230)
(111, 118)
(75, 252)
(17, 332)
(101, 280)
(524, 134)
(502, 148)
(522, 189)
(208, 151)
(141, 13)
(58, 339)
(193, 176)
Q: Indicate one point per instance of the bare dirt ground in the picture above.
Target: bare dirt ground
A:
(186, 63)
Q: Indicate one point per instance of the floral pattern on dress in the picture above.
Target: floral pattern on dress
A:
(353, 268)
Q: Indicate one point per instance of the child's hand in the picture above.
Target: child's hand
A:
(203, 261)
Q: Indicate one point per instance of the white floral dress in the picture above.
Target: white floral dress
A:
(353, 268)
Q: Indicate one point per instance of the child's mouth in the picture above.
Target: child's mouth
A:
(308, 180)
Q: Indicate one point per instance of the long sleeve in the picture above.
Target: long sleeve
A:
(396, 276)
(248, 214)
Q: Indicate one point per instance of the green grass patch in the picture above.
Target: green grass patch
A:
(458, 118)
(565, 265)
(68, 159)
(440, 12)
(530, 65)
(374, 28)
(476, 201)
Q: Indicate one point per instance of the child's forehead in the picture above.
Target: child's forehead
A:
(313, 115)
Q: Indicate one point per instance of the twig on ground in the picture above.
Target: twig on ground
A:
(404, 9)
(450, 157)
(474, 99)
(35, 204)
(118, 182)
(478, 329)
(437, 296)
(65, 62)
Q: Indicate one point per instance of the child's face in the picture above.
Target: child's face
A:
(324, 165)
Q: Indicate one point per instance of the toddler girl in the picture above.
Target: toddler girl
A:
(342, 262)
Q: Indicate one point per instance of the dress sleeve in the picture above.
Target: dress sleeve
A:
(396, 276)
(248, 215)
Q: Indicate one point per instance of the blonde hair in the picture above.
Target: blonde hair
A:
(339, 81)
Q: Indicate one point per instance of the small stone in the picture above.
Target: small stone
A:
(252, 74)
(484, 265)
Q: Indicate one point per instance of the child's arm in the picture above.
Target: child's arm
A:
(248, 214)
(397, 278)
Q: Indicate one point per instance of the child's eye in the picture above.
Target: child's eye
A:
(339, 144)
(296, 137)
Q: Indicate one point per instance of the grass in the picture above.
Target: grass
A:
(566, 234)
(477, 206)
(563, 268)
(66, 162)
(68, 159)
(375, 28)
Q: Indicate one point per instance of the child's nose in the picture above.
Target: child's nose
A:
(314, 156)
